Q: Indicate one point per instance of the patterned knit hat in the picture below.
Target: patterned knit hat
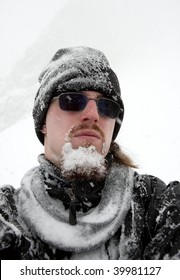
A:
(75, 69)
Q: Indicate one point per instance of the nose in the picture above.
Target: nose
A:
(90, 113)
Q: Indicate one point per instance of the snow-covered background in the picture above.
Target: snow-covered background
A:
(142, 42)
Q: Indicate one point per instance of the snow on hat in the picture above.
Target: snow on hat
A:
(75, 69)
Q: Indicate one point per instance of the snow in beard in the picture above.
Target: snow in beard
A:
(83, 161)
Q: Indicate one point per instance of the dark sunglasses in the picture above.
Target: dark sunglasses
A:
(76, 101)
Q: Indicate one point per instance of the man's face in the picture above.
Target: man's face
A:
(81, 128)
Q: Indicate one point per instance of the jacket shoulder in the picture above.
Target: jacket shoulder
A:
(162, 217)
(7, 202)
(153, 187)
(149, 183)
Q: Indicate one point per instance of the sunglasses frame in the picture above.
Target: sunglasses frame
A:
(88, 99)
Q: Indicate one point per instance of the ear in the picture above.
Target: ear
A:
(44, 130)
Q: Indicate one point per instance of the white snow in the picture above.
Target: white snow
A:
(19, 149)
(83, 160)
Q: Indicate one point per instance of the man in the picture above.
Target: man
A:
(84, 200)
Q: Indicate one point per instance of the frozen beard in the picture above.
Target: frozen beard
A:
(82, 163)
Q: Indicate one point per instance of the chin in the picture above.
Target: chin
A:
(86, 144)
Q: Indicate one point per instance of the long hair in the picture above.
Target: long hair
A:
(120, 156)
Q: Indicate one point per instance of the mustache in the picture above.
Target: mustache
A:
(95, 127)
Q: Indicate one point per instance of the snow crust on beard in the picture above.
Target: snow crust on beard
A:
(83, 162)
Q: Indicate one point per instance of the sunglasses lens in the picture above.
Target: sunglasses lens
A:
(108, 108)
(72, 101)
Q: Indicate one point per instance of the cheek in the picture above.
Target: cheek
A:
(108, 129)
(58, 126)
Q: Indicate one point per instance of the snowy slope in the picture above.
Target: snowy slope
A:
(142, 41)
(19, 149)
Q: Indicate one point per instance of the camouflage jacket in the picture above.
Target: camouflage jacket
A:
(138, 217)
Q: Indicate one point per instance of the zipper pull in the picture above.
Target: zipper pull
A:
(72, 208)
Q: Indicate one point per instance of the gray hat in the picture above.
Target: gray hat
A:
(75, 69)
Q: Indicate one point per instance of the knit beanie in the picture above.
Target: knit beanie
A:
(75, 69)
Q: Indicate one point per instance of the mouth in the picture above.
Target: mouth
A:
(86, 133)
